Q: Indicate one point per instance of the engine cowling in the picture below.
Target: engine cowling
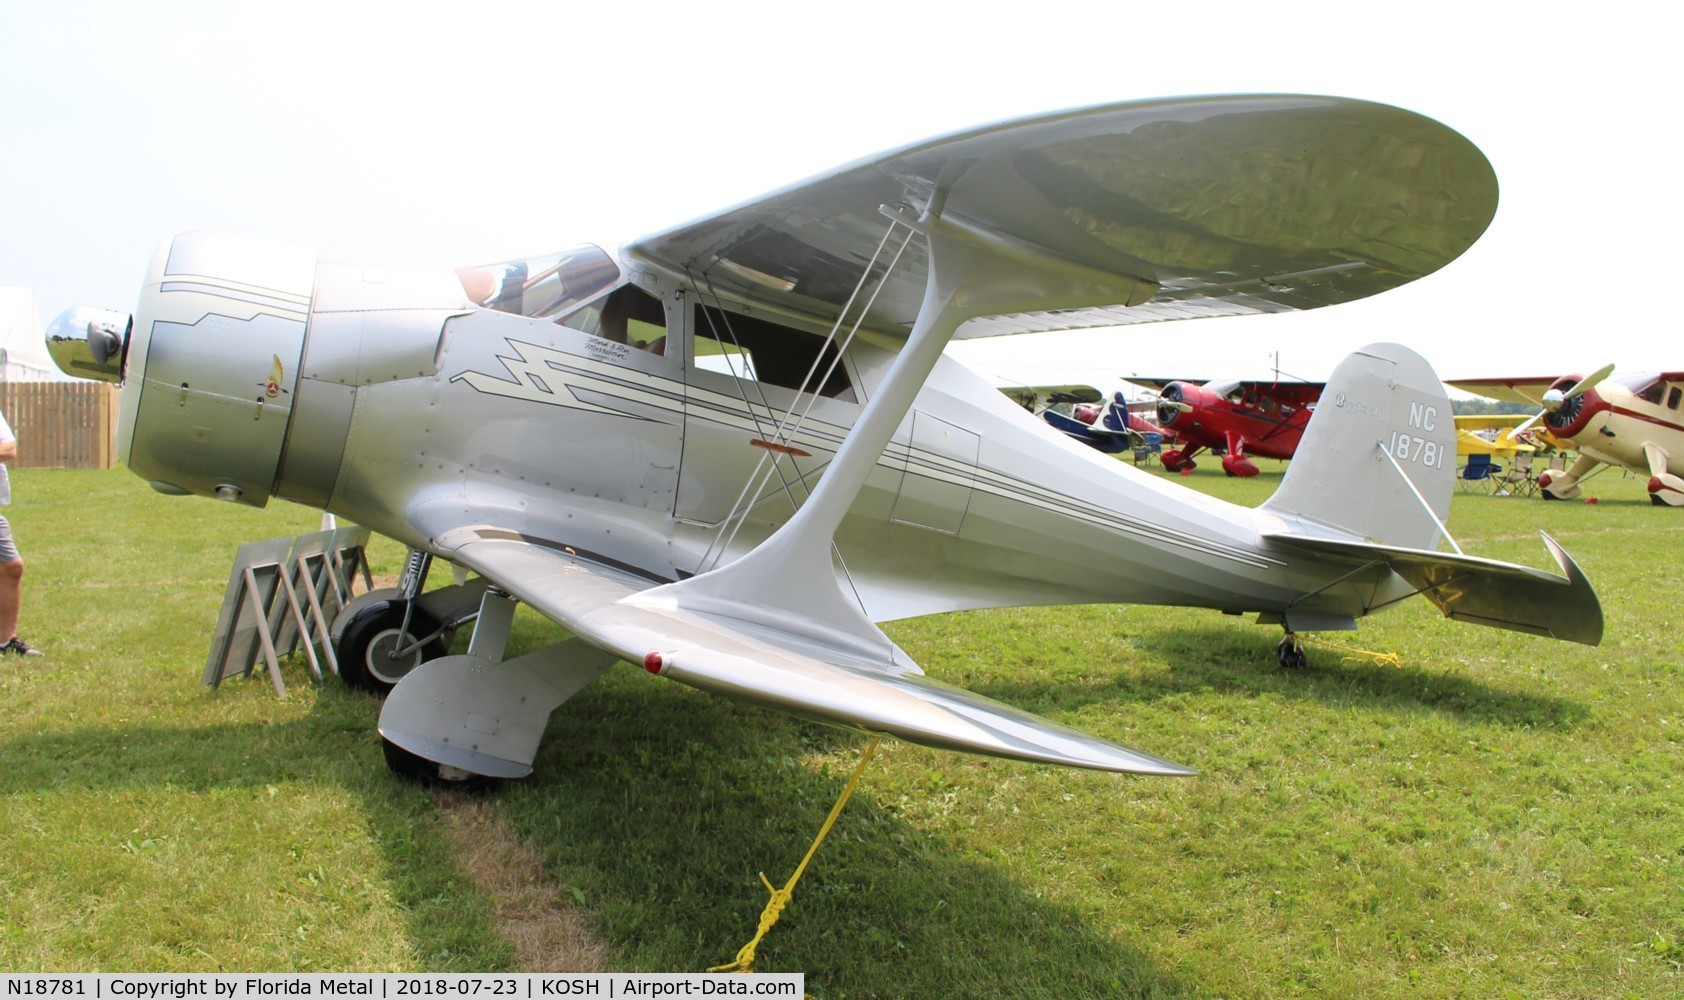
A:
(1574, 413)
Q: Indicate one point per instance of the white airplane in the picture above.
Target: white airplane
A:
(727, 450)
(1635, 422)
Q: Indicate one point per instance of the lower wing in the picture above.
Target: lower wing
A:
(797, 673)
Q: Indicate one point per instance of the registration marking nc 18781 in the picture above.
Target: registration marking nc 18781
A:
(1421, 450)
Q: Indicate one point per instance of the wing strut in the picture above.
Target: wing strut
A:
(790, 424)
(787, 583)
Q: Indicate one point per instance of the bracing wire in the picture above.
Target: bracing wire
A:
(790, 423)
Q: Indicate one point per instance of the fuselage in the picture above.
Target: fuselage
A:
(617, 411)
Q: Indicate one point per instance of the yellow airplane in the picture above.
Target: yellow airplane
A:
(1469, 440)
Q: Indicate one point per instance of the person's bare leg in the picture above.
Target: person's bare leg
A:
(11, 590)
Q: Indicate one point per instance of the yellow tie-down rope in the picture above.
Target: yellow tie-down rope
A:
(744, 961)
(1388, 659)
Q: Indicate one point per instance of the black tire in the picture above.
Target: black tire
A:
(1291, 655)
(369, 637)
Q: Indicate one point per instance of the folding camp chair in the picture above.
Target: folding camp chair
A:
(1478, 474)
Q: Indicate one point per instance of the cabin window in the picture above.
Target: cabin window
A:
(1652, 392)
(1674, 396)
(765, 351)
(627, 315)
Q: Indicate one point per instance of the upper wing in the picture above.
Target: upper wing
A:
(1029, 395)
(715, 651)
(1527, 391)
(1156, 384)
(1213, 205)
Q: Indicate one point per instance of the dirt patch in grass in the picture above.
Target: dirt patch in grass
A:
(548, 934)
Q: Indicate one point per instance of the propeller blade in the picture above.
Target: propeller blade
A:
(1523, 428)
(1589, 381)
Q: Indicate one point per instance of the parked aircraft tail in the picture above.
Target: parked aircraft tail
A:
(1378, 458)
(1371, 483)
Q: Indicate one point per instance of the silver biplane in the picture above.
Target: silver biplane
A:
(726, 451)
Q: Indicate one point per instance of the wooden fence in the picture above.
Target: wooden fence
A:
(62, 425)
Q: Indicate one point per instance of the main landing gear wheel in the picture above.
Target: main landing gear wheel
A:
(1291, 653)
(371, 637)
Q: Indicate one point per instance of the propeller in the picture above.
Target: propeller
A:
(1170, 403)
(1555, 401)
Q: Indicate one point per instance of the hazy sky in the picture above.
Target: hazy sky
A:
(416, 133)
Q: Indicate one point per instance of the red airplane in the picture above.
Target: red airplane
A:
(1257, 417)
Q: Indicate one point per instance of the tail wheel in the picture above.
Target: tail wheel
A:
(1291, 654)
(367, 646)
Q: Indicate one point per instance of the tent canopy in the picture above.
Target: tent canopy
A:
(23, 354)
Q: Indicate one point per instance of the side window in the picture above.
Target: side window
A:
(1673, 397)
(627, 315)
(763, 351)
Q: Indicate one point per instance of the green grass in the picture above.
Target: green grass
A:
(1498, 816)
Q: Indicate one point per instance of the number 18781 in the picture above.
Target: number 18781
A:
(1420, 450)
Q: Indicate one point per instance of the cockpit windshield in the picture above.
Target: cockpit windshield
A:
(543, 287)
(1647, 387)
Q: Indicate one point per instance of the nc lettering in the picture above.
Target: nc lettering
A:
(1424, 417)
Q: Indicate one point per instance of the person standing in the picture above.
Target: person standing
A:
(11, 563)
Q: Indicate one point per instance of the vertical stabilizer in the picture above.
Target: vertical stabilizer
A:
(1383, 416)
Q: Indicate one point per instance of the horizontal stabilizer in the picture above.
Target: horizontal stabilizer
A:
(1483, 591)
(791, 671)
